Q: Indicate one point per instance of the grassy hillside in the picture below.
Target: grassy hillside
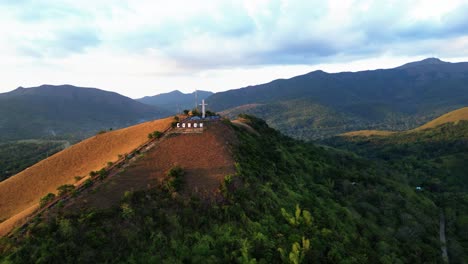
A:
(451, 117)
(288, 201)
(393, 99)
(24, 189)
(67, 112)
(435, 159)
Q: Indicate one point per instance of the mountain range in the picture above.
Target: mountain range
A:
(66, 111)
(176, 101)
(320, 104)
(311, 106)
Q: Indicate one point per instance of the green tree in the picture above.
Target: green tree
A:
(46, 199)
(65, 189)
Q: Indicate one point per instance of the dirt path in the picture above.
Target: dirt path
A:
(443, 240)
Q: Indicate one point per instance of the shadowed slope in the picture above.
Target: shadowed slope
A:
(205, 158)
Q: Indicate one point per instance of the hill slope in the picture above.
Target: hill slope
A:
(434, 159)
(175, 100)
(205, 158)
(395, 99)
(65, 111)
(288, 201)
(451, 117)
(24, 189)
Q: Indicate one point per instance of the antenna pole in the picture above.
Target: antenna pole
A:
(196, 99)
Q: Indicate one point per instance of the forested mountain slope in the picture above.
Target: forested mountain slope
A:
(67, 111)
(434, 161)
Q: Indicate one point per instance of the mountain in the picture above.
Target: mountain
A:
(320, 104)
(425, 62)
(175, 101)
(451, 117)
(252, 195)
(67, 111)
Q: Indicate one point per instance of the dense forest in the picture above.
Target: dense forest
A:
(18, 155)
(289, 201)
(435, 161)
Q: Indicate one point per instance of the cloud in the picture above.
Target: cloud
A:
(165, 39)
(60, 44)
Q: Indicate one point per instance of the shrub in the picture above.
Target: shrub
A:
(88, 183)
(210, 113)
(127, 211)
(102, 173)
(46, 199)
(64, 189)
(78, 178)
(175, 179)
(176, 118)
(195, 112)
(157, 134)
(186, 112)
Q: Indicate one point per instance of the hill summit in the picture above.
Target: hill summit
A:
(428, 61)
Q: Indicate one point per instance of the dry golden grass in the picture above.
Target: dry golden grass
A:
(451, 117)
(22, 191)
(368, 133)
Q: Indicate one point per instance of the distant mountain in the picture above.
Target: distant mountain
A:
(67, 111)
(175, 100)
(425, 62)
(320, 104)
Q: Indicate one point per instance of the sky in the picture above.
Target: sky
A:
(147, 47)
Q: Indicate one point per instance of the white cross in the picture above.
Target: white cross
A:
(203, 108)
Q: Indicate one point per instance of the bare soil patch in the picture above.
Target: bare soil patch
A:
(206, 159)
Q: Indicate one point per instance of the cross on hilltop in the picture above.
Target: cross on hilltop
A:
(203, 108)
